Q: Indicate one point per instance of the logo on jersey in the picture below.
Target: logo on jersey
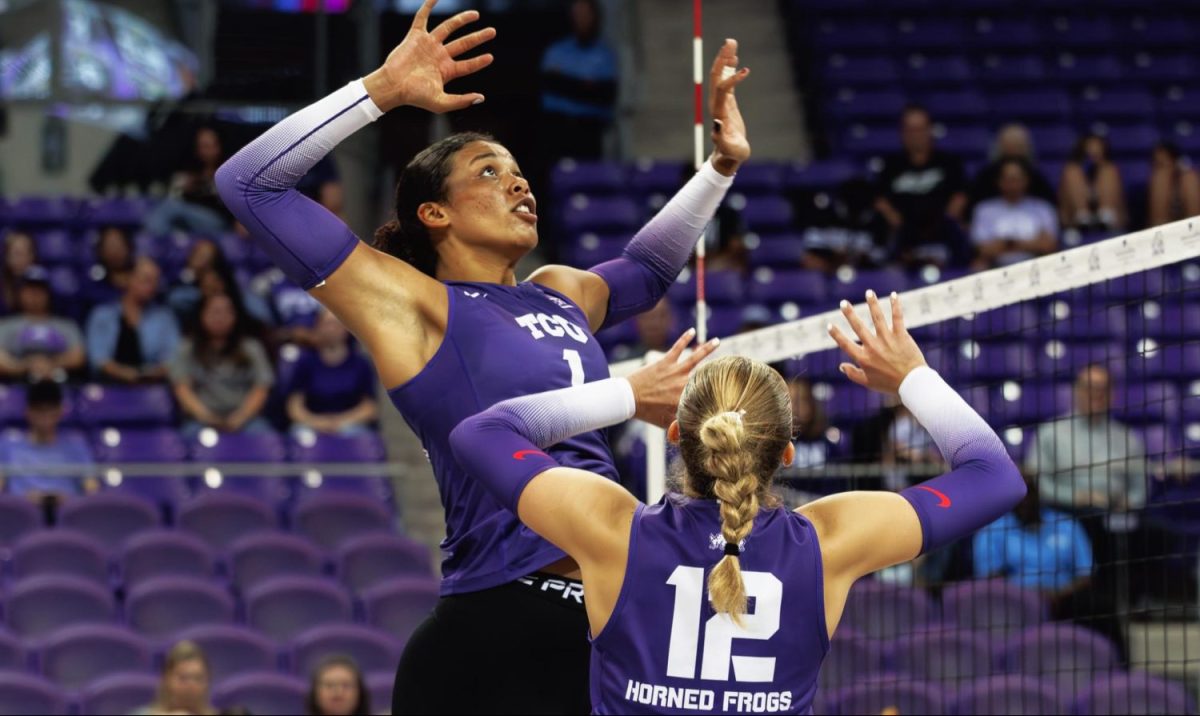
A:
(520, 454)
(560, 303)
(944, 501)
(473, 294)
(716, 541)
(541, 325)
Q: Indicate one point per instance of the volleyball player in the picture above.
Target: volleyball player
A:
(451, 332)
(668, 585)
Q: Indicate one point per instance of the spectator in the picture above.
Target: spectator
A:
(221, 375)
(1174, 191)
(1089, 459)
(35, 343)
(1090, 195)
(323, 185)
(1012, 142)
(337, 689)
(184, 687)
(333, 386)
(193, 204)
(844, 228)
(132, 340)
(579, 87)
(1013, 226)
(921, 195)
(1046, 550)
(20, 254)
(809, 425)
(43, 445)
(206, 273)
(109, 276)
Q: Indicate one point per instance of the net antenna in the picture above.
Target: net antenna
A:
(698, 158)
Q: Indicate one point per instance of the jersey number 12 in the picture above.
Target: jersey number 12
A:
(720, 631)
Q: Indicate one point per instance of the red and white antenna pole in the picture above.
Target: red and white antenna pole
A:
(698, 140)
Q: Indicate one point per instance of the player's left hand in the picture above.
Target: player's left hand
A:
(657, 387)
(732, 148)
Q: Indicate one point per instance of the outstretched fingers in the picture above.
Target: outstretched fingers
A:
(897, 315)
(470, 42)
(470, 66)
(681, 344)
(454, 24)
(421, 19)
(876, 310)
(697, 356)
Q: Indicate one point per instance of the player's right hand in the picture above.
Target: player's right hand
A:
(658, 386)
(882, 357)
(416, 72)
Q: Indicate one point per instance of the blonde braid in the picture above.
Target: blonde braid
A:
(736, 487)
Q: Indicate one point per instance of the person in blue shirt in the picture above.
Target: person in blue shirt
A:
(1045, 550)
(333, 386)
(579, 87)
(43, 445)
(133, 339)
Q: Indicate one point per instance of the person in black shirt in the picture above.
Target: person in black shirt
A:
(921, 195)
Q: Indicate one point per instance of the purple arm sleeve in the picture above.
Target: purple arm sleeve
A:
(640, 277)
(983, 483)
(501, 447)
(258, 185)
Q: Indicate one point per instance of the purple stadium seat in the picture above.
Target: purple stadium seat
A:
(1011, 695)
(841, 34)
(886, 611)
(122, 211)
(655, 176)
(1025, 403)
(722, 287)
(859, 70)
(1034, 105)
(220, 518)
(368, 559)
(282, 607)
(590, 249)
(765, 213)
(1008, 321)
(997, 70)
(968, 142)
(337, 516)
(993, 606)
(233, 649)
(570, 176)
(262, 692)
(1149, 402)
(1068, 655)
(120, 693)
(12, 404)
(1054, 141)
(1135, 694)
(139, 445)
(1064, 359)
(61, 551)
(18, 516)
(162, 553)
(776, 250)
(56, 246)
(1179, 105)
(846, 405)
(109, 405)
(320, 447)
(259, 556)
(862, 141)
(1134, 142)
(28, 695)
(379, 685)
(870, 106)
(1169, 321)
(1172, 360)
(398, 606)
(929, 33)
(824, 174)
(1075, 318)
(873, 696)
(64, 285)
(12, 651)
(1081, 32)
(1008, 33)
(165, 492)
(371, 650)
(851, 657)
(933, 71)
(42, 211)
(601, 214)
(239, 447)
(37, 606)
(956, 106)
(77, 655)
(1159, 69)
(853, 285)
(161, 606)
(109, 517)
(799, 286)
(947, 656)
(760, 177)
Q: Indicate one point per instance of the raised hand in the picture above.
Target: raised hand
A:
(729, 130)
(657, 387)
(416, 72)
(883, 357)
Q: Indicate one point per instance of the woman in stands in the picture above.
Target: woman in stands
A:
(654, 575)
(185, 683)
(451, 331)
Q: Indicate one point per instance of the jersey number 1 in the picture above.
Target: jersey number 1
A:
(576, 363)
(720, 631)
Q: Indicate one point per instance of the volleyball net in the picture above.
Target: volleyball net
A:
(1087, 364)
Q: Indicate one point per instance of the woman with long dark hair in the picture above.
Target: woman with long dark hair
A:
(438, 306)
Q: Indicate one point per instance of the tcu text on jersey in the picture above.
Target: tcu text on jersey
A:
(541, 325)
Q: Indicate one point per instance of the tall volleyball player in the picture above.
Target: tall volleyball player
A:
(668, 586)
(452, 332)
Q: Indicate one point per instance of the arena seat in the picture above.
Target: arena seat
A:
(28, 694)
(371, 650)
(161, 606)
(1012, 694)
(36, 606)
(338, 516)
(259, 556)
(220, 518)
(120, 693)
(262, 692)
(233, 649)
(60, 551)
(109, 517)
(398, 606)
(369, 559)
(75, 656)
(163, 552)
(1068, 656)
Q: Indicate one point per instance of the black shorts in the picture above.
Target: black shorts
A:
(517, 648)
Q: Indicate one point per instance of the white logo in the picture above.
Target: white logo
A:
(560, 303)
(474, 294)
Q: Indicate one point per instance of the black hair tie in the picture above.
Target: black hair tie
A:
(732, 550)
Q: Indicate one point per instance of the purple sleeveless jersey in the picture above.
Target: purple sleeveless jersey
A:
(665, 651)
(501, 342)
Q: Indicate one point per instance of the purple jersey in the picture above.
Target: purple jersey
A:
(501, 342)
(665, 651)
